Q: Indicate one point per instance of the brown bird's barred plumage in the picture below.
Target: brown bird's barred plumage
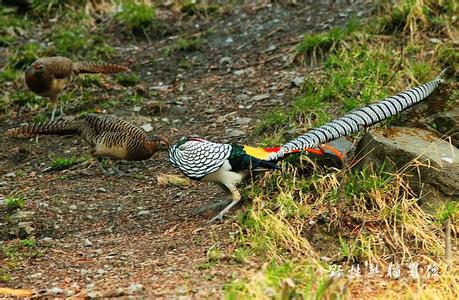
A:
(109, 137)
(48, 76)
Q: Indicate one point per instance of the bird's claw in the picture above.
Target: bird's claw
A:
(218, 217)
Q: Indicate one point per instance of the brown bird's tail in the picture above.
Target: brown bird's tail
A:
(98, 68)
(49, 128)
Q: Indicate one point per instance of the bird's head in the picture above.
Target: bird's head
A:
(161, 143)
(38, 66)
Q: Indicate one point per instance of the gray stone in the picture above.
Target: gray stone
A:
(235, 133)
(73, 207)
(437, 161)
(103, 190)
(134, 288)
(87, 243)
(25, 228)
(243, 121)
(11, 174)
(143, 213)
(147, 127)
(23, 215)
(225, 60)
(298, 81)
(242, 97)
(260, 97)
(55, 291)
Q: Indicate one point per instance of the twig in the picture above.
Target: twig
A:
(448, 242)
(400, 64)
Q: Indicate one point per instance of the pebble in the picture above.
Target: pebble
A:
(210, 110)
(165, 120)
(147, 127)
(243, 121)
(235, 133)
(55, 290)
(136, 108)
(135, 288)
(225, 60)
(143, 213)
(36, 275)
(242, 97)
(298, 81)
(73, 207)
(229, 40)
(270, 48)
(87, 243)
(101, 190)
(12, 174)
(260, 97)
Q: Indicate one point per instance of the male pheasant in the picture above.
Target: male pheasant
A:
(229, 164)
(109, 137)
(48, 76)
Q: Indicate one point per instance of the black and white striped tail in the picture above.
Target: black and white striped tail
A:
(363, 117)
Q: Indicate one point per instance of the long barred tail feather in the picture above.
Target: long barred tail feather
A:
(98, 67)
(360, 118)
(48, 128)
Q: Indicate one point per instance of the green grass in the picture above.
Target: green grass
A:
(61, 163)
(128, 79)
(138, 18)
(347, 216)
(189, 44)
(14, 202)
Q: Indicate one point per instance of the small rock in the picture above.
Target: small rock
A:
(55, 291)
(143, 213)
(242, 97)
(271, 48)
(435, 40)
(23, 215)
(135, 288)
(165, 120)
(147, 127)
(239, 72)
(3, 183)
(12, 174)
(229, 40)
(235, 133)
(73, 207)
(243, 121)
(298, 81)
(210, 110)
(101, 190)
(225, 60)
(25, 228)
(36, 275)
(136, 108)
(84, 271)
(87, 243)
(260, 97)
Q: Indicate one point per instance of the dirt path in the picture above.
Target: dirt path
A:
(97, 234)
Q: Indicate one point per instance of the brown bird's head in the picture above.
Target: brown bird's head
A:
(159, 143)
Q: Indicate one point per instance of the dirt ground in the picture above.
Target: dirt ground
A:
(97, 234)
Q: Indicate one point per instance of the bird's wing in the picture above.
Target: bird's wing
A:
(199, 158)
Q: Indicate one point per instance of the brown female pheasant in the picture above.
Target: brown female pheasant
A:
(48, 76)
(109, 137)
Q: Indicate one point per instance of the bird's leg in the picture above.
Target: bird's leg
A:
(116, 170)
(101, 165)
(54, 110)
(61, 109)
(236, 198)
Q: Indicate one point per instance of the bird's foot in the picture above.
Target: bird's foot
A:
(217, 218)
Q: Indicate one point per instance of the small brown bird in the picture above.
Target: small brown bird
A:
(48, 76)
(109, 137)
